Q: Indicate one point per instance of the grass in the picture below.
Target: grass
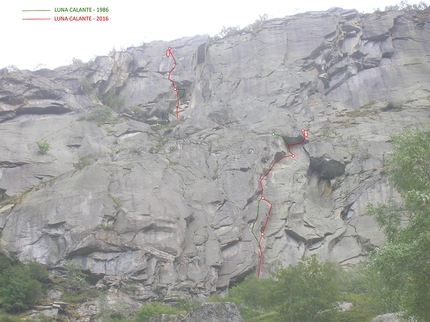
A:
(343, 123)
(136, 151)
(12, 200)
(100, 115)
(116, 200)
(86, 86)
(161, 142)
(368, 104)
(107, 227)
(137, 111)
(78, 297)
(267, 317)
(362, 113)
(114, 101)
(158, 128)
(83, 162)
(9, 318)
(391, 107)
(327, 133)
(80, 63)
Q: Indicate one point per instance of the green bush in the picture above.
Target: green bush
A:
(306, 292)
(184, 305)
(79, 296)
(252, 296)
(5, 262)
(114, 101)
(38, 272)
(100, 115)
(216, 298)
(402, 264)
(83, 162)
(406, 6)
(253, 27)
(43, 146)
(75, 278)
(86, 86)
(19, 288)
(391, 107)
(137, 111)
(149, 310)
(354, 315)
(266, 317)
(258, 23)
(80, 63)
(9, 318)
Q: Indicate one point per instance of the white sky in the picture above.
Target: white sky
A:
(26, 44)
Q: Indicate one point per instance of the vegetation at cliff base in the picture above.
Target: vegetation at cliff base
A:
(403, 262)
(309, 291)
(152, 309)
(21, 285)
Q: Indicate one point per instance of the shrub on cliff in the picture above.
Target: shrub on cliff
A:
(43, 146)
(75, 278)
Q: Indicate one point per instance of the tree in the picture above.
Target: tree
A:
(307, 292)
(404, 262)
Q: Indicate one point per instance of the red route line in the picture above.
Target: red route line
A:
(292, 155)
(168, 54)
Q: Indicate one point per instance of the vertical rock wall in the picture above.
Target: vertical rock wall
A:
(170, 203)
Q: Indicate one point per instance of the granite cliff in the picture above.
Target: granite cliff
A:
(167, 204)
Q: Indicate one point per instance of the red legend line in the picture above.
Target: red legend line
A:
(36, 11)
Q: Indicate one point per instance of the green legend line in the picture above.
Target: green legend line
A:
(26, 10)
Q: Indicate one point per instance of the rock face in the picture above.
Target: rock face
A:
(169, 204)
(209, 312)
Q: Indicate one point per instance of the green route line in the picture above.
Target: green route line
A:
(253, 224)
(181, 89)
(275, 134)
(34, 10)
